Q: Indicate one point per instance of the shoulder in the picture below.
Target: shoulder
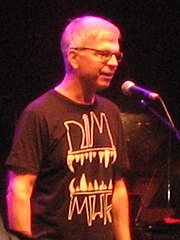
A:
(45, 100)
(41, 107)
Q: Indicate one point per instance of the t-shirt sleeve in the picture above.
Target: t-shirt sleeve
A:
(29, 143)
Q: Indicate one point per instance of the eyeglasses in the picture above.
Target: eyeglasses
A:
(105, 55)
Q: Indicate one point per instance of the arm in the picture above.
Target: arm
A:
(18, 202)
(120, 211)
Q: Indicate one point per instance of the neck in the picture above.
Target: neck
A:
(71, 88)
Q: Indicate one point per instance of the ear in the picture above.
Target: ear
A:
(73, 58)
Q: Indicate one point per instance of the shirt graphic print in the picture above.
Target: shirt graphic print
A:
(91, 154)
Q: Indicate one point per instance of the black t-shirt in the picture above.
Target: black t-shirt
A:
(77, 151)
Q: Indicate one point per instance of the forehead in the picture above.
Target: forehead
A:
(104, 43)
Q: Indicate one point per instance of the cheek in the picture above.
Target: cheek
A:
(90, 68)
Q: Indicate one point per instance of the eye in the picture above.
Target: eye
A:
(105, 54)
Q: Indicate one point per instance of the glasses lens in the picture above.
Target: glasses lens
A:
(106, 55)
(119, 56)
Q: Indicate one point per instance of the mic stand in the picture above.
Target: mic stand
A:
(171, 127)
(169, 123)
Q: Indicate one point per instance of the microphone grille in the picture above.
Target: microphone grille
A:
(125, 88)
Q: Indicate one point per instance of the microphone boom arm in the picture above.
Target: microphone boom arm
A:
(169, 123)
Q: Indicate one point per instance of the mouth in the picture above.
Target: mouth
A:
(111, 74)
(108, 76)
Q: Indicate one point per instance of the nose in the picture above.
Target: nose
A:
(113, 60)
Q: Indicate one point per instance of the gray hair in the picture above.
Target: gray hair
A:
(84, 29)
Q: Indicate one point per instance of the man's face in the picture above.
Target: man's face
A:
(96, 68)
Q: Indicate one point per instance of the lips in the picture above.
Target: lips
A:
(108, 74)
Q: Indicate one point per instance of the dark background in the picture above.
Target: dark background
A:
(31, 64)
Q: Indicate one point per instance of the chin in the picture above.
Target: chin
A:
(103, 83)
(103, 86)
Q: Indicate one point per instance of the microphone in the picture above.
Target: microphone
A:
(129, 88)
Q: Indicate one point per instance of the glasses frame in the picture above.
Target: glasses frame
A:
(104, 54)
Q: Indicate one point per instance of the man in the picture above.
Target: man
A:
(68, 157)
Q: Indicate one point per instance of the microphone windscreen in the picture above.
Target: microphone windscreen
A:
(126, 86)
